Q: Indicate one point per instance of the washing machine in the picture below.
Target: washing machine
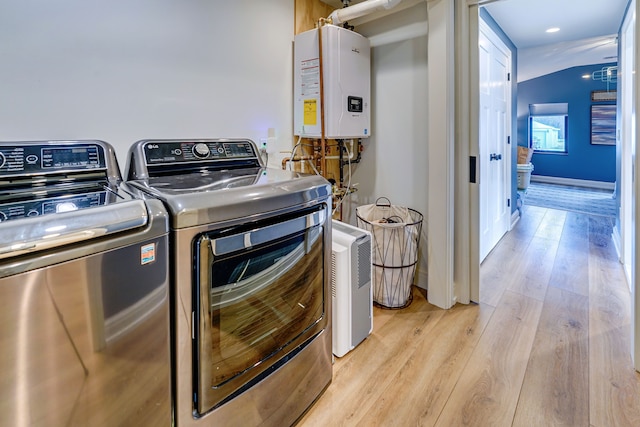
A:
(252, 303)
(84, 291)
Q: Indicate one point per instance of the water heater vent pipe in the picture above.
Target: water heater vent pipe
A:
(341, 16)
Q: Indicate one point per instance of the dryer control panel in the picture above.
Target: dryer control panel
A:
(197, 150)
(160, 157)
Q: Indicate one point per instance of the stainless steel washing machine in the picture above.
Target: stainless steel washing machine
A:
(84, 291)
(250, 251)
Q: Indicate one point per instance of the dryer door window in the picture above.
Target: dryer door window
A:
(261, 295)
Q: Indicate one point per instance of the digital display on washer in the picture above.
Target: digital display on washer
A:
(66, 157)
(238, 149)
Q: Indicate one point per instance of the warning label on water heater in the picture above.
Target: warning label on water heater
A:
(310, 110)
(310, 77)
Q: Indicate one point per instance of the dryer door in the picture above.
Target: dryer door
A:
(261, 296)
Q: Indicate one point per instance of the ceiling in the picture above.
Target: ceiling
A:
(525, 21)
(588, 31)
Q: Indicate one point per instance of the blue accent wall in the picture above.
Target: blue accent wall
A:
(582, 160)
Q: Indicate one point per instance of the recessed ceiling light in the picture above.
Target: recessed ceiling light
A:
(553, 30)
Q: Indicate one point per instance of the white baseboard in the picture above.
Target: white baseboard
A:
(602, 185)
(515, 217)
(617, 241)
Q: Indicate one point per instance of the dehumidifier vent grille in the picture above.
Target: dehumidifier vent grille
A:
(364, 262)
(333, 274)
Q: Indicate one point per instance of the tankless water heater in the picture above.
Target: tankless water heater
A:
(346, 65)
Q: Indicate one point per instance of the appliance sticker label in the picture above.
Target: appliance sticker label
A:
(310, 77)
(147, 253)
(310, 109)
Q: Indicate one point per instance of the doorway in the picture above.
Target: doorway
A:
(629, 191)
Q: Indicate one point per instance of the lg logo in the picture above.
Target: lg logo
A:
(153, 146)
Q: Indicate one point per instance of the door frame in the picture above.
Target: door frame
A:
(467, 239)
(442, 185)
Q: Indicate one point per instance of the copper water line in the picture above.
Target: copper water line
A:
(323, 162)
(296, 159)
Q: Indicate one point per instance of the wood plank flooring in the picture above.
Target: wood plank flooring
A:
(548, 345)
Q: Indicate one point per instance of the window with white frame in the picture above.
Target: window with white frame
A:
(548, 127)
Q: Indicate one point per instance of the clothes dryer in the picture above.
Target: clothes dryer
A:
(252, 304)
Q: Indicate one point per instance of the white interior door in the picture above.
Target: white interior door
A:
(627, 147)
(495, 153)
(629, 191)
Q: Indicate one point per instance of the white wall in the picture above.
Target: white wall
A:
(394, 162)
(127, 70)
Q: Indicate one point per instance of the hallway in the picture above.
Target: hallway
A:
(547, 345)
(593, 201)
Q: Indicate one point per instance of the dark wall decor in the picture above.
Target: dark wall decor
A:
(604, 95)
(603, 124)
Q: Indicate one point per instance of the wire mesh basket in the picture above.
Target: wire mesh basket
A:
(395, 234)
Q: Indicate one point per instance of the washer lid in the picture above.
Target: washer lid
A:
(55, 193)
(33, 234)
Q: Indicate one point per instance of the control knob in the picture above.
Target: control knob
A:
(3, 159)
(201, 150)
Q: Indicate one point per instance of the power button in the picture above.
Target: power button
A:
(201, 150)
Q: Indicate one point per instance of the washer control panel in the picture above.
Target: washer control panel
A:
(38, 159)
(171, 152)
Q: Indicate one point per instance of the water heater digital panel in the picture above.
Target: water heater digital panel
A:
(346, 66)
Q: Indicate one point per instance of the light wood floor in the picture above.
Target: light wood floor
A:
(548, 344)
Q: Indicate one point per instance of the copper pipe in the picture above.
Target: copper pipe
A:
(297, 159)
(323, 162)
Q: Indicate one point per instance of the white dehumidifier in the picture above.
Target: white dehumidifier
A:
(352, 294)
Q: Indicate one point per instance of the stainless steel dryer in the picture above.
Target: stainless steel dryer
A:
(250, 250)
(84, 291)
